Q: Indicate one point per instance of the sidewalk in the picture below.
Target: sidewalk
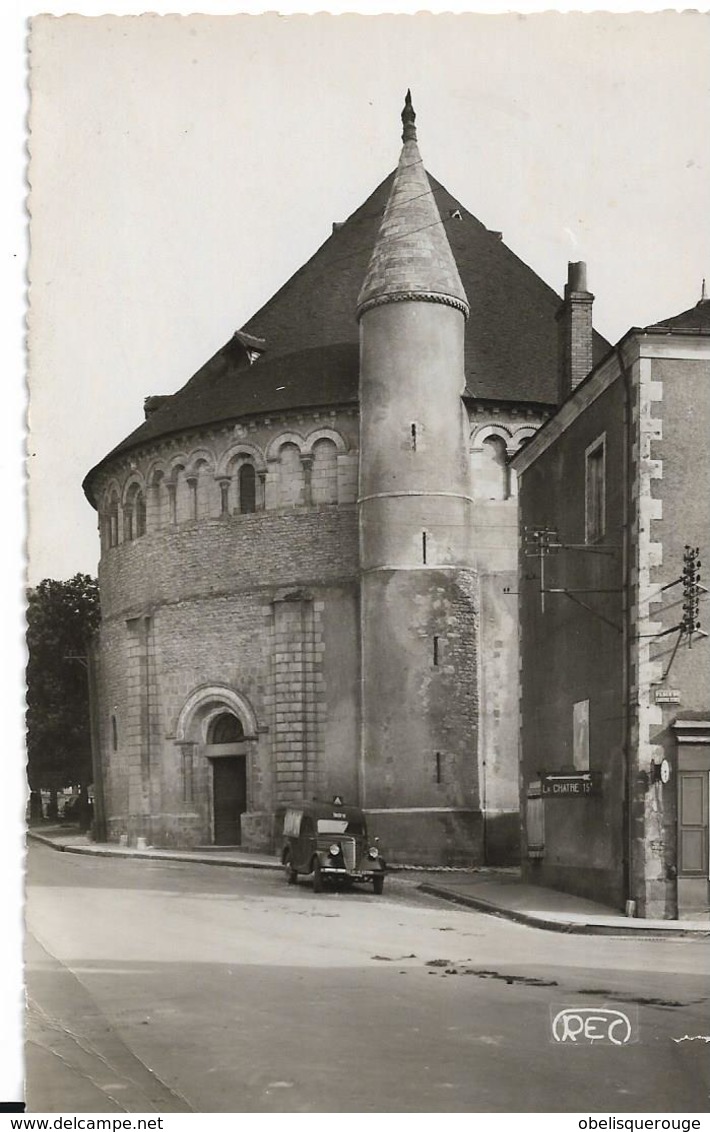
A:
(70, 841)
(504, 894)
(499, 892)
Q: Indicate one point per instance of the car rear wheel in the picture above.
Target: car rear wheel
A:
(291, 874)
(317, 876)
(378, 884)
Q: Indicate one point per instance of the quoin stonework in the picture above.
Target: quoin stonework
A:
(308, 568)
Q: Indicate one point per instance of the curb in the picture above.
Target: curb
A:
(151, 855)
(208, 859)
(566, 927)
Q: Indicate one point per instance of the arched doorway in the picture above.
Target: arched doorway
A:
(227, 752)
(218, 726)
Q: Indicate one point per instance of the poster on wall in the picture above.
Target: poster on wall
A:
(580, 735)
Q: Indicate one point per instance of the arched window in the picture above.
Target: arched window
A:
(490, 469)
(226, 728)
(206, 491)
(139, 514)
(291, 477)
(113, 521)
(158, 503)
(247, 489)
(324, 477)
(181, 496)
(114, 734)
(134, 514)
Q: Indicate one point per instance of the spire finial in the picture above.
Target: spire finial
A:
(703, 294)
(409, 133)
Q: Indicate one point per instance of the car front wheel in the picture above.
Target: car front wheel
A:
(378, 884)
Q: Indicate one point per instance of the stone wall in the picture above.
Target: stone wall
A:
(572, 651)
(261, 608)
(671, 408)
(209, 608)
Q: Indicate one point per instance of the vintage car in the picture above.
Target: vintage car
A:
(329, 840)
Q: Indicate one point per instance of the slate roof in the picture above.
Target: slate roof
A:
(311, 333)
(412, 254)
(697, 318)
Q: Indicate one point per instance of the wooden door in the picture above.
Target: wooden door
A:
(693, 823)
(229, 785)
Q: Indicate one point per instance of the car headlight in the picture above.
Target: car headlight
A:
(334, 850)
(373, 853)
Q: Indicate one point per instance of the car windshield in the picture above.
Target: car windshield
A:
(340, 825)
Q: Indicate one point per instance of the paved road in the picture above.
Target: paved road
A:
(175, 987)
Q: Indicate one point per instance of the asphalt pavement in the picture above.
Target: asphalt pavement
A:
(497, 891)
(170, 985)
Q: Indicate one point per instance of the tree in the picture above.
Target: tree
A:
(61, 618)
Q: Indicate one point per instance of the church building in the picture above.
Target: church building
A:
(308, 552)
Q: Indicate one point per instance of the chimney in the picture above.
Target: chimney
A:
(574, 323)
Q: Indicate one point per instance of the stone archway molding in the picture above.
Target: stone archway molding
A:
(488, 432)
(220, 696)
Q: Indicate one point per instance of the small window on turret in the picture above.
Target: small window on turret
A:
(414, 437)
(424, 547)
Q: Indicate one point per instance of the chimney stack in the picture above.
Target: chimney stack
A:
(574, 321)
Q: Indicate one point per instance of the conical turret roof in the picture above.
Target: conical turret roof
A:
(412, 257)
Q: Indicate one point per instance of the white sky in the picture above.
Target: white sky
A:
(183, 168)
(172, 197)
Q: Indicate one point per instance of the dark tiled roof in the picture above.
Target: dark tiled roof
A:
(697, 318)
(311, 333)
(223, 390)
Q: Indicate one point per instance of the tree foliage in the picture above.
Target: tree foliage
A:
(61, 618)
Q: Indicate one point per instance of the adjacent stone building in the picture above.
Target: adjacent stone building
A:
(615, 676)
(308, 565)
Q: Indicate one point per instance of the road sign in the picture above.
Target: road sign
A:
(585, 784)
(667, 695)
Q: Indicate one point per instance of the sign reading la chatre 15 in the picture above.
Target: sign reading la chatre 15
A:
(579, 784)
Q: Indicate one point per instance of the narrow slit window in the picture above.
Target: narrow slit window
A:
(424, 547)
(414, 438)
(438, 768)
(436, 651)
